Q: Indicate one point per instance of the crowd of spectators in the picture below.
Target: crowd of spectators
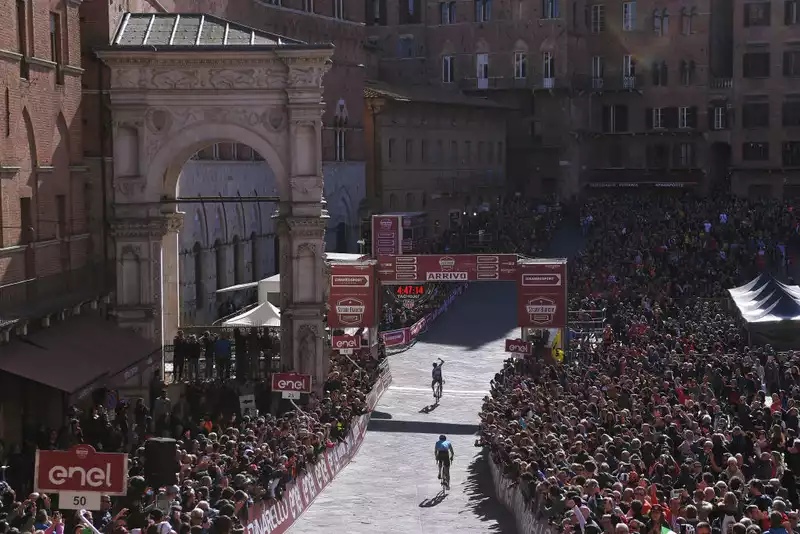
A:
(229, 460)
(668, 420)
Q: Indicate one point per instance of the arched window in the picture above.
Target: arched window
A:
(665, 22)
(199, 289)
(219, 260)
(657, 27)
(237, 260)
(254, 256)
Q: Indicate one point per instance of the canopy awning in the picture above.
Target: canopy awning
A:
(265, 314)
(765, 299)
(76, 354)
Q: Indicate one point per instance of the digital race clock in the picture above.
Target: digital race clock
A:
(410, 291)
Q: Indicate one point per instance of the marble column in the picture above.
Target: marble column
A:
(143, 284)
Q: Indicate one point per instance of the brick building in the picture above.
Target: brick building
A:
(604, 92)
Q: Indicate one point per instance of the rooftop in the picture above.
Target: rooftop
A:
(182, 30)
(426, 94)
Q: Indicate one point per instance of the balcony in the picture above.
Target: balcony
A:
(721, 83)
(38, 297)
(497, 83)
(585, 82)
(629, 82)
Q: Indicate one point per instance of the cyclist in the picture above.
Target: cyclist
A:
(436, 375)
(443, 450)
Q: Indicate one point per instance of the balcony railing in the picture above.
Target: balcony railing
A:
(629, 82)
(548, 83)
(721, 83)
(605, 83)
(37, 297)
(495, 83)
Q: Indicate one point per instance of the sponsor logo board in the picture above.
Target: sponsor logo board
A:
(291, 382)
(517, 346)
(81, 469)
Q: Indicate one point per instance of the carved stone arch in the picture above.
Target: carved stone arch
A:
(448, 49)
(340, 113)
(520, 46)
(482, 47)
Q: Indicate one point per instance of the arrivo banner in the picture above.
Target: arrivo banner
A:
(542, 294)
(345, 342)
(517, 346)
(352, 296)
(447, 268)
(293, 382)
(81, 469)
(387, 234)
(299, 494)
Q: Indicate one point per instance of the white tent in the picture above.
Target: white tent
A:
(265, 314)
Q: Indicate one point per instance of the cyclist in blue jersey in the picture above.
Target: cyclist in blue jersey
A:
(444, 453)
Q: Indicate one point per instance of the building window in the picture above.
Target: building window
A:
(598, 18)
(660, 73)
(7, 118)
(615, 118)
(628, 66)
(791, 63)
(405, 46)
(755, 151)
(658, 118)
(339, 138)
(628, 16)
(409, 151)
(520, 65)
(377, 11)
(550, 9)
(755, 115)
(447, 12)
(338, 9)
(686, 21)
(687, 69)
(684, 155)
(790, 154)
(790, 12)
(720, 118)
(790, 113)
(755, 64)
(308, 5)
(55, 46)
(448, 69)
(548, 65)
(483, 10)
(757, 14)
(661, 22)
(22, 38)
(598, 67)
(687, 117)
(390, 152)
(482, 66)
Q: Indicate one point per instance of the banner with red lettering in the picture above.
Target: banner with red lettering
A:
(351, 299)
(447, 268)
(276, 519)
(542, 294)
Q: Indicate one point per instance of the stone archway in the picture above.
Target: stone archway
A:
(170, 101)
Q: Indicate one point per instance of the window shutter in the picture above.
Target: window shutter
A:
(710, 116)
(691, 120)
(787, 7)
(664, 73)
(656, 73)
(478, 10)
(488, 9)
(648, 118)
(606, 118)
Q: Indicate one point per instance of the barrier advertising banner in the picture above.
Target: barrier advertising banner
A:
(542, 294)
(387, 234)
(447, 268)
(346, 342)
(393, 338)
(299, 494)
(352, 296)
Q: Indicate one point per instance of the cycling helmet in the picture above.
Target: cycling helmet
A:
(442, 438)
(434, 364)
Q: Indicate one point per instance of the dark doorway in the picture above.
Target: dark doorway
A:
(719, 166)
(341, 237)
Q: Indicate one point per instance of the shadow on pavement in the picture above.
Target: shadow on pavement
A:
(430, 503)
(429, 408)
(480, 491)
(380, 415)
(421, 427)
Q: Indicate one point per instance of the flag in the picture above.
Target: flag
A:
(555, 349)
(665, 530)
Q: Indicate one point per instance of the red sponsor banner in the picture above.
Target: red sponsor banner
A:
(346, 342)
(352, 296)
(387, 235)
(81, 469)
(542, 294)
(447, 268)
(293, 382)
(417, 327)
(301, 492)
(517, 346)
(393, 338)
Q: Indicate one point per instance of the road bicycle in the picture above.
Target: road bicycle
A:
(437, 391)
(445, 477)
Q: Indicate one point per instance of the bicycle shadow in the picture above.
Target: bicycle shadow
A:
(430, 503)
(429, 408)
